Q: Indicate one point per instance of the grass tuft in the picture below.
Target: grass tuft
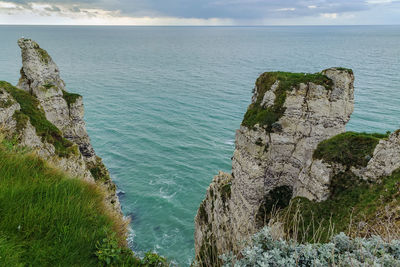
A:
(70, 97)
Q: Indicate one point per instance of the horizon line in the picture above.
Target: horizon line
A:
(188, 25)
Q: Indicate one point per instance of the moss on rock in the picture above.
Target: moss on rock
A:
(46, 130)
(226, 192)
(44, 56)
(354, 201)
(257, 114)
(21, 120)
(70, 98)
(6, 103)
(345, 69)
(349, 148)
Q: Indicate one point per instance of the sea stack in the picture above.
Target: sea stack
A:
(290, 114)
(49, 120)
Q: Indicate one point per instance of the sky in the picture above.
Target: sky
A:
(200, 12)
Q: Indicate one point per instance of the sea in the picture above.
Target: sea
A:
(162, 103)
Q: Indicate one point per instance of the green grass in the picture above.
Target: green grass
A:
(356, 200)
(44, 128)
(70, 97)
(351, 199)
(349, 148)
(345, 69)
(48, 85)
(287, 81)
(46, 218)
(21, 120)
(44, 56)
(6, 103)
(10, 252)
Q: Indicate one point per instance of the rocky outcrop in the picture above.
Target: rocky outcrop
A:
(40, 77)
(43, 116)
(292, 143)
(386, 158)
(273, 159)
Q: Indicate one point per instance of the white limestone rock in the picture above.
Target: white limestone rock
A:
(386, 158)
(264, 160)
(40, 77)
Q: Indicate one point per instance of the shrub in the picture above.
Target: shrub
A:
(340, 251)
(153, 260)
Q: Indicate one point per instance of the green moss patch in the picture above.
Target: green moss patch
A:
(345, 69)
(70, 97)
(44, 128)
(99, 171)
(21, 120)
(354, 200)
(349, 148)
(256, 114)
(44, 56)
(48, 85)
(226, 192)
(5, 103)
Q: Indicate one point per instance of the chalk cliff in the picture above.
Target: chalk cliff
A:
(40, 114)
(280, 154)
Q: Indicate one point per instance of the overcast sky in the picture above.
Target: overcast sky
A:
(200, 12)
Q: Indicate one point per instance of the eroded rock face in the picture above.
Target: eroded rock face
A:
(275, 161)
(40, 78)
(386, 158)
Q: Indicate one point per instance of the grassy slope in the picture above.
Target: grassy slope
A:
(48, 219)
(352, 199)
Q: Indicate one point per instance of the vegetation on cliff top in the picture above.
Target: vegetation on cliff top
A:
(50, 219)
(44, 56)
(287, 81)
(44, 128)
(349, 148)
(353, 202)
(70, 98)
(46, 218)
(357, 201)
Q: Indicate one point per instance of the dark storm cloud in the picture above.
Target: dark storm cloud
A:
(234, 9)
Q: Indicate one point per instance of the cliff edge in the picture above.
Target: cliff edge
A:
(40, 114)
(291, 144)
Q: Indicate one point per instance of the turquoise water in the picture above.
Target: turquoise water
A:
(162, 103)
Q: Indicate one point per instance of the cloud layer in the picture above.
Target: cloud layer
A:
(203, 11)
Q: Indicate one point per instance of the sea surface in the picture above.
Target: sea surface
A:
(163, 103)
